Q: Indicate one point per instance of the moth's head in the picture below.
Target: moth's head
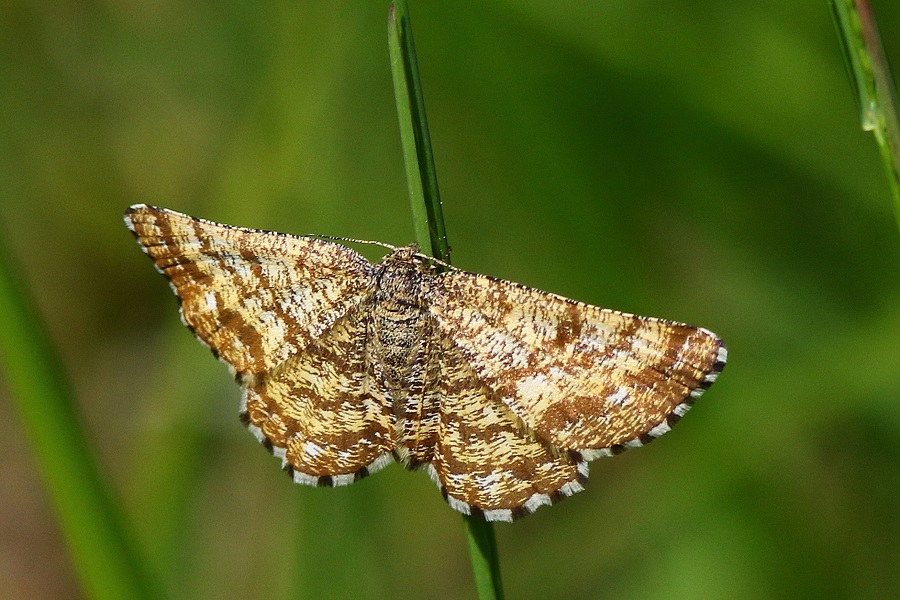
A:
(403, 254)
(410, 258)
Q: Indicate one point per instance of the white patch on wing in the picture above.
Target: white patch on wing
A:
(538, 391)
(211, 303)
(583, 468)
(659, 429)
(383, 461)
(594, 454)
(619, 398)
(346, 479)
(459, 505)
(682, 409)
(571, 487)
(536, 501)
(312, 449)
(305, 479)
(499, 514)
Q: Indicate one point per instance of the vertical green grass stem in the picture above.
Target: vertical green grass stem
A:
(432, 238)
(421, 176)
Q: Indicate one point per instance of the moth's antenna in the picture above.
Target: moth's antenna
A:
(383, 245)
(354, 241)
(435, 260)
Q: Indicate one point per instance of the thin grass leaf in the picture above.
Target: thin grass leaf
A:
(432, 238)
(105, 558)
(874, 87)
(421, 176)
(485, 560)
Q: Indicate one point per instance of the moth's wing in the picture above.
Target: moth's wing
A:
(324, 411)
(583, 378)
(486, 461)
(254, 297)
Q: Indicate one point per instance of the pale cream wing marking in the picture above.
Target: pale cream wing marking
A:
(581, 377)
(254, 297)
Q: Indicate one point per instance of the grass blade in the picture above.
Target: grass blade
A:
(874, 87)
(418, 158)
(484, 557)
(432, 237)
(105, 558)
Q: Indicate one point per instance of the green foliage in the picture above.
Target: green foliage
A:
(701, 162)
(103, 553)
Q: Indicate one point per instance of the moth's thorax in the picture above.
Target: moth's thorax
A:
(400, 320)
(403, 264)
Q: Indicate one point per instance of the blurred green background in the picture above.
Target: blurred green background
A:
(697, 161)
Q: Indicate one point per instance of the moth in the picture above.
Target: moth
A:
(500, 392)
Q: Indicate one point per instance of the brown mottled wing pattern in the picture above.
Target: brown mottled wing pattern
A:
(323, 411)
(287, 314)
(486, 461)
(584, 379)
(256, 298)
